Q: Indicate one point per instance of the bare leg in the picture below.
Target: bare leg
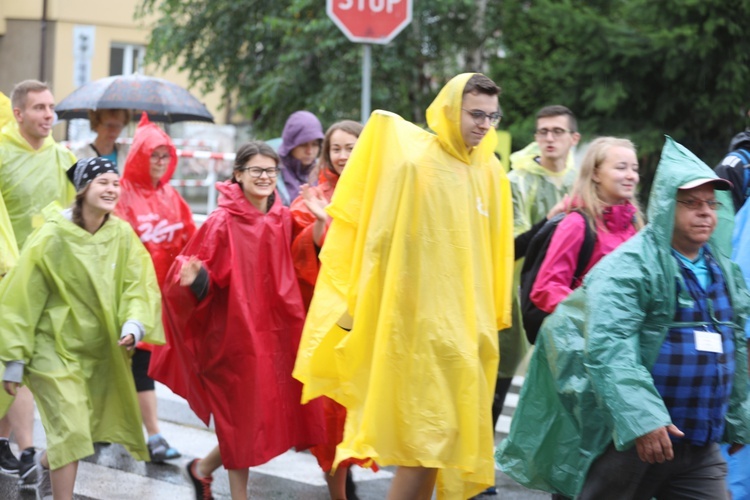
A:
(238, 483)
(5, 427)
(63, 479)
(21, 418)
(147, 402)
(337, 483)
(208, 464)
(413, 483)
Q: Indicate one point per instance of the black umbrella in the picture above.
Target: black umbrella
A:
(164, 101)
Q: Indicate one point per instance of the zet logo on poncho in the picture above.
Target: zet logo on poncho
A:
(159, 232)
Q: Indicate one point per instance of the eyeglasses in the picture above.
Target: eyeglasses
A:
(696, 204)
(556, 132)
(479, 116)
(256, 172)
(157, 158)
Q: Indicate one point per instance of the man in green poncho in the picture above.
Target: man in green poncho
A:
(640, 373)
(32, 175)
(541, 175)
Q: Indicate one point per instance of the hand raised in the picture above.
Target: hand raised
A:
(315, 202)
(189, 271)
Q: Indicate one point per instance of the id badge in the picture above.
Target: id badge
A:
(708, 342)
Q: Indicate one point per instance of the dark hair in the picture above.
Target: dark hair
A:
(96, 116)
(22, 89)
(348, 126)
(558, 110)
(248, 151)
(480, 84)
(77, 208)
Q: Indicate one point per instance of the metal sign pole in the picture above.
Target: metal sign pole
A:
(366, 80)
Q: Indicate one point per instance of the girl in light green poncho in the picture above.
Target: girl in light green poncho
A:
(83, 293)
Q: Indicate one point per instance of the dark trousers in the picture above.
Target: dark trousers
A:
(695, 473)
(501, 390)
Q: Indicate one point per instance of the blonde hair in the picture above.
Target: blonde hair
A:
(585, 189)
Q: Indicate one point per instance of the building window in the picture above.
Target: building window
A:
(125, 59)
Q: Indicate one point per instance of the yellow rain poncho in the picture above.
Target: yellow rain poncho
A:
(62, 308)
(8, 246)
(32, 179)
(420, 255)
(535, 191)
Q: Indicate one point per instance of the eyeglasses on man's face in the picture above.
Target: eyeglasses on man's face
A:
(556, 132)
(480, 116)
(696, 204)
(257, 172)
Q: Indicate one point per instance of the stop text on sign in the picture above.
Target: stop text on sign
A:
(371, 5)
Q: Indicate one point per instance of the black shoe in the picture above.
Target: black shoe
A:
(351, 488)
(202, 485)
(8, 461)
(27, 469)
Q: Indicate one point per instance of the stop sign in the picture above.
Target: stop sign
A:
(370, 21)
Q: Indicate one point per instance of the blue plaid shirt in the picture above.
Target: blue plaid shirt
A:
(696, 385)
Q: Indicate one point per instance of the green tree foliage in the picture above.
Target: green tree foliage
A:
(273, 57)
(638, 68)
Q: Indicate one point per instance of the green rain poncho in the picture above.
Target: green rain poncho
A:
(32, 179)
(62, 308)
(535, 191)
(573, 404)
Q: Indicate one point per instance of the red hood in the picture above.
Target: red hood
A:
(233, 200)
(148, 137)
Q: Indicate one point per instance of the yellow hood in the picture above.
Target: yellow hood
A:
(444, 118)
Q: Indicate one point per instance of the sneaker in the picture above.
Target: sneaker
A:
(44, 487)
(202, 485)
(8, 461)
(27, 469)
(159, 450)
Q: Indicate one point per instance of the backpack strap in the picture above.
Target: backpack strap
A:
(587, 248)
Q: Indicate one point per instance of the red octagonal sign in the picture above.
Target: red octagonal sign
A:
(370, 21)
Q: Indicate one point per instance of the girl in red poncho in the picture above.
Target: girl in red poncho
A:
(310, 225)
(233, 319)
(164, 223)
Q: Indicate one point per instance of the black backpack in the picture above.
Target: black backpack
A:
(533, 316)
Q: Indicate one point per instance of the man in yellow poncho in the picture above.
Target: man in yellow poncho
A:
(32, 175)
(414, 284)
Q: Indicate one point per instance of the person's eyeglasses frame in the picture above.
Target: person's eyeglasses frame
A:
(494, 118)
(696, 204)
(271, 172)
(159, 158)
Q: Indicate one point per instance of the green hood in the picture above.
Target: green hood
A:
(677, 167)
(525, 160)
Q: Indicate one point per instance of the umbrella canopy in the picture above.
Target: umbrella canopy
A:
(164, 101)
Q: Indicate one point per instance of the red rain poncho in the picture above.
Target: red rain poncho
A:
(304, 252)
(159, 215)
(231, 355)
